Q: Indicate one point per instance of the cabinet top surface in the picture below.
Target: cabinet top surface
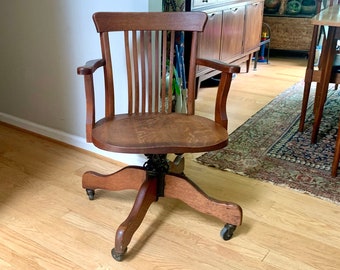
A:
(329, 16)
(203, 4)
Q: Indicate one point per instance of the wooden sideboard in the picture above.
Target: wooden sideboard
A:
(232, 33)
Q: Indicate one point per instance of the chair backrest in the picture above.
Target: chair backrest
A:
(149, 47)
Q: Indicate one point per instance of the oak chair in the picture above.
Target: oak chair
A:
(150, 126)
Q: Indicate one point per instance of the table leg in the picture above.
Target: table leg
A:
(327, 59)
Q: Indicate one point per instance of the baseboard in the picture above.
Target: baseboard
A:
(70, 139)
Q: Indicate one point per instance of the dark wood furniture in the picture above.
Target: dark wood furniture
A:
(327, 71)
(149, 126)
(232, 34)
(322, 73)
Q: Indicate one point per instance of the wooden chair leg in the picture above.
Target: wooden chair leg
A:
(146, 196)
(182, 188)
(130, 177)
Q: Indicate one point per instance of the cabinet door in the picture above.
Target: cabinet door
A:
(209, 40)
(232, 33)
(253, 25)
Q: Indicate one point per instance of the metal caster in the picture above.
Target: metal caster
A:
(227, 231)
(118, 256)
(90, 194)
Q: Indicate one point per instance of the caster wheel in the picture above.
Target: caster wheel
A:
(90, 193)
(118, 256)
(227, 231)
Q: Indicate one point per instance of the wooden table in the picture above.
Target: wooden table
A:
(328, 17)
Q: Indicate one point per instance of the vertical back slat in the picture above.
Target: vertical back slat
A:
(109, 90)
(135, 71)
(164, 56)
(191, 81)
(150, 80)
(171, 68)
(157, 71)
(144, 63)
(128, 69)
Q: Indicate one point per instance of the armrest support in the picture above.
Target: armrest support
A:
(87, 70)
(223, 87)
(90, 67)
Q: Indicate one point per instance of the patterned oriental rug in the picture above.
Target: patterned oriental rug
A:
(269, 147)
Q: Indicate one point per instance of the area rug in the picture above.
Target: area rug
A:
(269, 147)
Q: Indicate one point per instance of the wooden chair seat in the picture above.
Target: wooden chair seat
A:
(159, 134)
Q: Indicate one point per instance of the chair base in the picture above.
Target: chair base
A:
(153, 181)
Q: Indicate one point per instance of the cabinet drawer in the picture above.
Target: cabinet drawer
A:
(202, 3)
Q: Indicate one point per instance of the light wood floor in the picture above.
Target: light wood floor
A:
(47, 221)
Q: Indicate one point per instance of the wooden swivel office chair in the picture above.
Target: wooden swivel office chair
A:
(313, 74)
(149, 126)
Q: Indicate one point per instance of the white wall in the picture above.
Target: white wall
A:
(41, 44)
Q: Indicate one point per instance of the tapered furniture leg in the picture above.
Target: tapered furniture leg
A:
(322, 87)
(182, 188)
(305, 98)
(336, 158)
(130, 177)
(146, 196)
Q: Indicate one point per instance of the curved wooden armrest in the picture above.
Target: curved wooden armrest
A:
(223, 87)
(218, 65)
(90, 67)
